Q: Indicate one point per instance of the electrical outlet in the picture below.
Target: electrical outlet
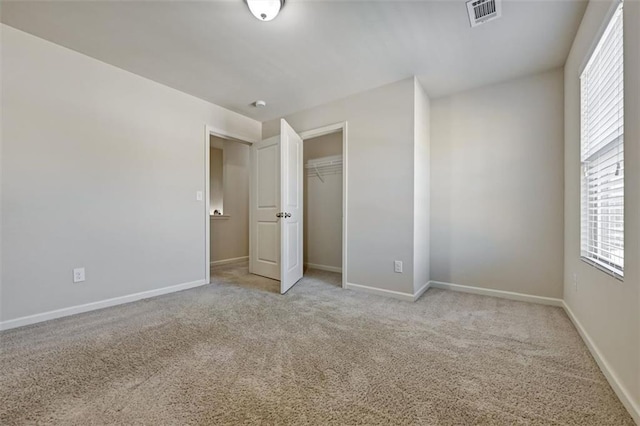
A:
(78, 275)
(397, 266)
(575, 282)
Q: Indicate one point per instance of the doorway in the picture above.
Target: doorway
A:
(323, 163)
(335, 138)
(332, 135)
(226, 213)
(229, 167)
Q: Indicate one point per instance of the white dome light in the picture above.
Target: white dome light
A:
(265, 10)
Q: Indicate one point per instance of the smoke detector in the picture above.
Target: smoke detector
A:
(482, 11)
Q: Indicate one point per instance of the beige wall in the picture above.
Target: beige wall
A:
(100, 169)
(608, 310)
(323, 146)
(230, 235)
(379, 178)
(497, 186)
(323, 206)
(216, 190)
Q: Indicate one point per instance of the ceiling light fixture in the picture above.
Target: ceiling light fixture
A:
(265, 10)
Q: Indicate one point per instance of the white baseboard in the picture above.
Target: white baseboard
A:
(622, 392)
(227, 261)
(64, 312)
(381, 292)
(323, 267)
(421, 290)
(498, 293)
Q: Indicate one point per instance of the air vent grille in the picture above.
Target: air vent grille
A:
(481, 11)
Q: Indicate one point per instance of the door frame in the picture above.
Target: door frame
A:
(309, 134)
(208, 132)
(326, 130)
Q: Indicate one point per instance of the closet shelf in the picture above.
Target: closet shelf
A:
(324, 166)
(334, 160)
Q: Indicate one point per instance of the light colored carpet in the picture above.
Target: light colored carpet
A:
(226, 354)
(238, 274)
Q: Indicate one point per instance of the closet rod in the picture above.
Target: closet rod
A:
(318, 173)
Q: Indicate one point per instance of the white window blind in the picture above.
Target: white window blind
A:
(602, 151)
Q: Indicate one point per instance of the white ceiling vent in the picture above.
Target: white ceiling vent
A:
(481, 11)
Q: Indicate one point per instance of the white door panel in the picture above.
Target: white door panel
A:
(264, 248)
(276, 208)
(291, 203)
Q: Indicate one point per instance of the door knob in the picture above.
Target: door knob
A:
(286, 215)
(279, 214)
(283, 214)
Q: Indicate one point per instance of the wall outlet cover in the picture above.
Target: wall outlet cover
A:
(78, 275)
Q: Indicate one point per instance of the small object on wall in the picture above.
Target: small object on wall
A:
(78, 275)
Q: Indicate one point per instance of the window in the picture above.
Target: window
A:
(602, 152)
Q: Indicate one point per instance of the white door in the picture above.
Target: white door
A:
(276, 208)
(264, 245)
(291, 196)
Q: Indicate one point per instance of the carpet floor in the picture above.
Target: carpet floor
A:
(242, 354)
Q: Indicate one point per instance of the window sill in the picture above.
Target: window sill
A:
(602, 268)
(219, 216)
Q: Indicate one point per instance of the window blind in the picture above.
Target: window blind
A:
(602, 151)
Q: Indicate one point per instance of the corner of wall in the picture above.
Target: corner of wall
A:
(421, 188)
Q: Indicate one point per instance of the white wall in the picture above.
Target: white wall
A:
(230, 235)
(607, 309)
(422, 184)
(380, 180)
(497, 186)
(100, 169)
(323, 206)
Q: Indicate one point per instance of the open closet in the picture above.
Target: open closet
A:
(323, 202)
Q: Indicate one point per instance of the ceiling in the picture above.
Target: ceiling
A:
(313, 52)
